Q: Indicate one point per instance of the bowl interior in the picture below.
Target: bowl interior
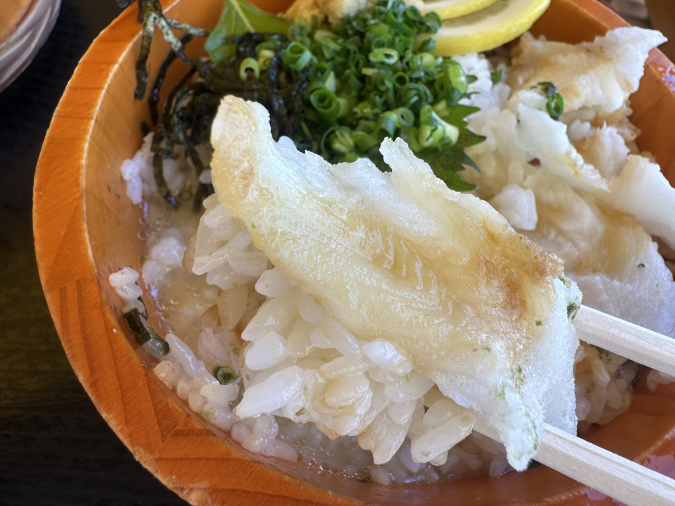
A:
(158, 428)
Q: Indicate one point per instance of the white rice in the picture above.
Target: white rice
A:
(304, 378)
(287, 343)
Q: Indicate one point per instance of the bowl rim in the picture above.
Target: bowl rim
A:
(69, 279)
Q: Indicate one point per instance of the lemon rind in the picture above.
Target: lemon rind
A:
(449, 9)
(469, 40)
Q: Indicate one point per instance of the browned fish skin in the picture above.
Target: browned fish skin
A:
(479, 309)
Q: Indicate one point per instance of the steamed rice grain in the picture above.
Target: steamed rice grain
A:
(308, 379)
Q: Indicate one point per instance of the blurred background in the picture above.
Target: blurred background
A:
(55, 449)
(657, 14)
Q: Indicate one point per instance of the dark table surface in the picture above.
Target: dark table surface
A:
(55, 449)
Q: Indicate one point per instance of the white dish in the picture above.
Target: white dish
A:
(21, 46)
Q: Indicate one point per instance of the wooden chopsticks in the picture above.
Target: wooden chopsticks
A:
(618, 336)
(607, 472)
(615, 476)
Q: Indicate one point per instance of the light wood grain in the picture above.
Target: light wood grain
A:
(617, 477)
(636, 343)
(622, 479)
(85, 228)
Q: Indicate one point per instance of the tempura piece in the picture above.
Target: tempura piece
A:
(546, 140)
(606, 71)
(642, 190)
(587, 182)
(606, 250)
(480, 310)
(605, 149)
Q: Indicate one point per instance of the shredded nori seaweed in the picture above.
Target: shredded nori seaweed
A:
(192, 104)
(153, 99)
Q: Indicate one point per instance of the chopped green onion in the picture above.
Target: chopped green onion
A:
(413, 14)
(237, 18)
(428, 117)
(433, 22)
(358, 62)
(156, 348)
(302, 27)
(268, 45)
(249, 65)
(388, 123)
(555, 106)
(395, 18)
(329, 48)
(428, 46)
(265, 58)
(144, 335)
(364, 141)
(364, 110)
(405, 117)
(383, 81)
(337, 89)
(366, 126)
(324, 34)
(341, 141)
(225, 375)
(297, 56)
(572, 310)
(329, 81)
(430, 136)
(547, 89)
(376, 42)
(409, 135)
(352, 84)
(384, 55)
(401, 79)
(319, 70)
(326, 104)
(381, 29)
(378, 100)
(186, 193)
(457, 76)
(413, 96)
(428, 60)
(345, 106)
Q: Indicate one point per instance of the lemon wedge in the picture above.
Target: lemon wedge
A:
(448, 9)
(488, 28)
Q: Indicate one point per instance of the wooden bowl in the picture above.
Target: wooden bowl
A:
(86, 228)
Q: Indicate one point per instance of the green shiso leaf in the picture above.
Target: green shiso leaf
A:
(239, 17)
